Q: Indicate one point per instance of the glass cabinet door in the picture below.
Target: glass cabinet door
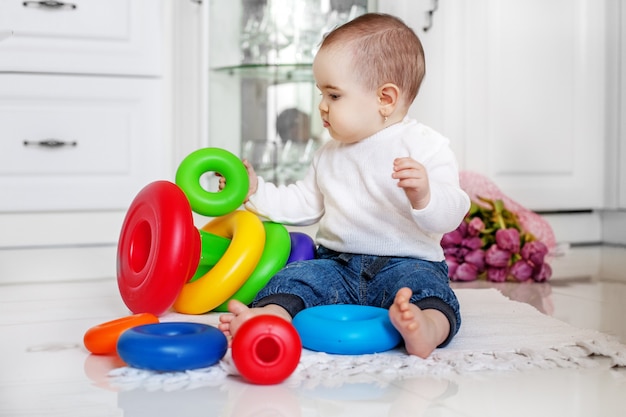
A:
(262, 97)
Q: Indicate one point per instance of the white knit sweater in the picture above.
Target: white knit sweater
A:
(349, 190)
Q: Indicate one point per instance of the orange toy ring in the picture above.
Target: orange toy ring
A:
(102, 339)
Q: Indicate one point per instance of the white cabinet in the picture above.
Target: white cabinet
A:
(520, 87)
(614, 220)
(536, 113)
(69, 143)
(82, 36)
(83, 121)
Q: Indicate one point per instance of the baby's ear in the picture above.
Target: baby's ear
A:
(388, 97)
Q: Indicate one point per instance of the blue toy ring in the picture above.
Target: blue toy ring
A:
(346, 329)
(172, 346)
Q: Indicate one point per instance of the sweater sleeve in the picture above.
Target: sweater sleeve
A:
(448, 202)
(298, 204)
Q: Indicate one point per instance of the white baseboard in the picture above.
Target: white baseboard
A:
(58, 246)
(614, 227)
(51, 264)
(576, 227)
(84, 261)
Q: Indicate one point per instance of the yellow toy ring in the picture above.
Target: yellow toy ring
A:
(274, 258)
(248, 240)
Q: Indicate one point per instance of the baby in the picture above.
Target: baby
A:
(383, 193)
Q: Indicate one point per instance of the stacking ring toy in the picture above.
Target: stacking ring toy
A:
(231, 271)
(102, 339)
(159, 248)
(266, 350)
(213, 204)
(170, 347)
(274, 257)
(346, 329)
(302, 247)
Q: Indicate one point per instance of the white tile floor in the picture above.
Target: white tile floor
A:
(45, 370)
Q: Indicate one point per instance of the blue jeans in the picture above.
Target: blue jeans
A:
(344, 278)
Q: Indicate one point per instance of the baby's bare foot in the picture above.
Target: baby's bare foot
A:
(422, 330)
(239, 313)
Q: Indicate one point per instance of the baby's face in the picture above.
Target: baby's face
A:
(349, 110)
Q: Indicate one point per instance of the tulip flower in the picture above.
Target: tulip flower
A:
(521, 270)
(452, 252)
(475, 226)
(497, 274)
(543, 274)
(477, 258)
(462, 228)
(472, 243)
(451, 239)
(452, 265)
(499, 258)
(535, 252)
(508, 239)
(466, 272)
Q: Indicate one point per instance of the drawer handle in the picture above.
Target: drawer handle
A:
(50, 143)
(50, 4)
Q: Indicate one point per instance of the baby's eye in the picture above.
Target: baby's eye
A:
(334, 96)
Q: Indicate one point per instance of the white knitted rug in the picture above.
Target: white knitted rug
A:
(497, 334)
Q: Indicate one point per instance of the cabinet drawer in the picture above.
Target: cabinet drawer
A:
(70, 142)
(79, 137)
(81, 36)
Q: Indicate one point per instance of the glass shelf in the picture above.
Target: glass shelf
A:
(262, 96)
(277, 72)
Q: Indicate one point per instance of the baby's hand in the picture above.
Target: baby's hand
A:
(252, 178)
(413, 178)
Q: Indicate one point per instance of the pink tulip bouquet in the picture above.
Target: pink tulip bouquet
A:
(495, 242)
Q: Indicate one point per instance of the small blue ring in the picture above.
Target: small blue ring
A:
(172, 346)
(346, 329)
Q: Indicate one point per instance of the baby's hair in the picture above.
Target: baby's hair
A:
(384, 50)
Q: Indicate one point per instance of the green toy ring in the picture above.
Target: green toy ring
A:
(213, 204)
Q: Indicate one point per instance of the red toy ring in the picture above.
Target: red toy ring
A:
(266, 349)
(158, 250)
